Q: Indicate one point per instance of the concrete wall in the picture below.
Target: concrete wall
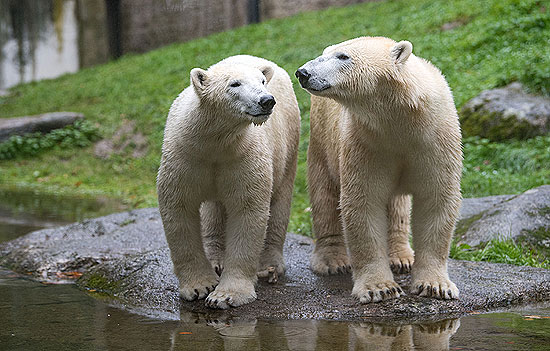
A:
(284, 8)
(149, 24)
(93, 43)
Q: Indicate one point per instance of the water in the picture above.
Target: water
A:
(38, 316)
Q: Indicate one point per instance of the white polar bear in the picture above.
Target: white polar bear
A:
(383, 126)
(227, 169)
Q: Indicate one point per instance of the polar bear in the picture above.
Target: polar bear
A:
(383, 127)
(227, 170)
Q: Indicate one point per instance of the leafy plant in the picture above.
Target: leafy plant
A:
(81, 134)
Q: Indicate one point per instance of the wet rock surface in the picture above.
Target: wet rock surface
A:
(505, 113)
(525, 216)
(39, 123)
(125, 259)
(77, 247)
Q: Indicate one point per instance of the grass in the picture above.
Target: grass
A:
(501, 251)
(499, 41)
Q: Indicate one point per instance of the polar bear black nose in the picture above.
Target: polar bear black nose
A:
(267, 102)
(303, 75)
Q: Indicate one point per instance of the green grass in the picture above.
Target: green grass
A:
(501, 251)
(500, 41)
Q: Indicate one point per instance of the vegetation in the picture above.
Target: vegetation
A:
(501, 251)
(477, 44)
(81, 134)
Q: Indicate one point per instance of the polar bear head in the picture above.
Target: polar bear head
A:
(238, 90)
(355, 68)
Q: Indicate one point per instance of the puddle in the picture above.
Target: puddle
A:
(38, 316)
(60, 317)
(22, 212)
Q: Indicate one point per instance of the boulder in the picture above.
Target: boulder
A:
(125, 260)
(39, 123)
(506, 113)
(525, 217)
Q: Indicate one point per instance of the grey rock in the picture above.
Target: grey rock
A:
(145, 284)
(79, 246)
(39, 123)
(505, 113)
(474, 206)
(518, 216)
(125, 258)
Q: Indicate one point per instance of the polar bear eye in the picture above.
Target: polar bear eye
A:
(235, 84)
(263, 82)
(342, 57)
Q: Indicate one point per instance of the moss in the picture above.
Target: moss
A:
(495, 127)
(128, 221)
(538, 239)
(465, 224)
(99, 284)
(543, 211)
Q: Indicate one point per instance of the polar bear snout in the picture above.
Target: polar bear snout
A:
(303, 76)
(267, 102)
(312, 78)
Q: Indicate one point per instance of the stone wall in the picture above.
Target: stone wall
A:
(149, 24)
(284, 8)
(93, 43)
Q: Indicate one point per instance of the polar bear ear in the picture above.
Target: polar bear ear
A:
(267, 72)
(401, 51)
(198, 79)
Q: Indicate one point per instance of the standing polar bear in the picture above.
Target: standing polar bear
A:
(227, 170)
(383, 127)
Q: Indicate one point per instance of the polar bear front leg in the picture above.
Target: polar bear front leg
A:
(244, 242)
(401, 254)
(246, 194)
(366, 190)
(182, 228)
(433, 220)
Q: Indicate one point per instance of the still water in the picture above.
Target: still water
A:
(38, 316)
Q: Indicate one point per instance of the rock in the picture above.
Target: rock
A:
(506, 113)
(79, 246)
(525, 216)
(145, 284)
(39, 123)
(124, 257)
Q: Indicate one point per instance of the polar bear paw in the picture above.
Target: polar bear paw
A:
(330, 260)
(271, 266)
(198, 289)
(402, 262)
(217, 265)
(235, 294)
(367, 293)
(440, 289)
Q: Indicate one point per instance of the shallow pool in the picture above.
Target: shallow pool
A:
(38, 316)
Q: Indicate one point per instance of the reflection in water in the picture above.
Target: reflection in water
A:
(35, 316)
(38, 316)
(23, 212)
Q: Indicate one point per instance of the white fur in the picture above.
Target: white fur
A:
(384, 126)
(223, 175)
